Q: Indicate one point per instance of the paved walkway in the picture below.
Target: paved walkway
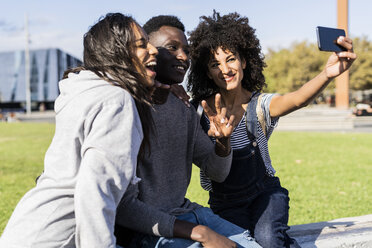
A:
(314, 118)
(325, 119)
(36, 116)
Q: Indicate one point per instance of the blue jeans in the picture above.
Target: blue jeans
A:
(202, 216)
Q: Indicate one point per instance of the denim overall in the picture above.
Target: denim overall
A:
(248, 197)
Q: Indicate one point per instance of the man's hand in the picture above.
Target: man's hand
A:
(202, 234)
(209, 238)
(220, 124)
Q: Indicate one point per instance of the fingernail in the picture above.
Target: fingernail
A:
(223, 120)
(217, 133)
(228, 125)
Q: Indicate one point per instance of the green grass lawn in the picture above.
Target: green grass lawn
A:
(329, 175)
(22, 149)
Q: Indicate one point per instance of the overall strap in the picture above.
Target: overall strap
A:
(260, 115)
(251, 117)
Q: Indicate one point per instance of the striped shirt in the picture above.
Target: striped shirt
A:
(239, 139)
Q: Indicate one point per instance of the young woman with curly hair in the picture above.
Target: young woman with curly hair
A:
(226, 58)
(93, 156)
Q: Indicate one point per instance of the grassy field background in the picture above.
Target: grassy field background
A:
(328, 175)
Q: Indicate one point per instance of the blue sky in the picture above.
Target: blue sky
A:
(278, 23)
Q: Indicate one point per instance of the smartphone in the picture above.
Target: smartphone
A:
(327, 39)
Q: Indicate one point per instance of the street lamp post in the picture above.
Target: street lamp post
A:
(27, 69)
(342, 81)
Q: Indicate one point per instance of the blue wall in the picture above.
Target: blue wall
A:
(46, 69)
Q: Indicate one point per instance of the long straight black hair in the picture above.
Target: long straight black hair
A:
(109, 53)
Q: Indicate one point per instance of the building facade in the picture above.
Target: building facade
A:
(46, 69)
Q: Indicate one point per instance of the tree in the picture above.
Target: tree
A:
(288, 69)
(361, 70)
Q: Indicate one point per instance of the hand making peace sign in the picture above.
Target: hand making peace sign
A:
(220, 124)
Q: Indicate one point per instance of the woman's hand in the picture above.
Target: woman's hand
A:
(180, 92)
(341, 61)
(159, 92)
(157, 85)
(220, 124)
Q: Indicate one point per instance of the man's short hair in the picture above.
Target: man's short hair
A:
(156, 22)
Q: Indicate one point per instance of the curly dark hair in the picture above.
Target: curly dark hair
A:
(230, 32)
(156, 22)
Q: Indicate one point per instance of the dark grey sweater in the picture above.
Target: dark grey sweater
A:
(151, 205)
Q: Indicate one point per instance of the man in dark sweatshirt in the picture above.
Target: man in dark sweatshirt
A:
(156, 208)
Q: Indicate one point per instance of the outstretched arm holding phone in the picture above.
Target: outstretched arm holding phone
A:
(337, 63)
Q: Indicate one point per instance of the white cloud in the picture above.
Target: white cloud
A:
(71, 43)
(68, 42)
(12, 42)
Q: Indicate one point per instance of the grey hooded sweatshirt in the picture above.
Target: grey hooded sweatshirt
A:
(87, 168)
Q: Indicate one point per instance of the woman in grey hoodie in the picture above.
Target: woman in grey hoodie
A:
(98, 135)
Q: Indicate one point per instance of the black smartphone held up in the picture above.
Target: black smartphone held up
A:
(327, 39)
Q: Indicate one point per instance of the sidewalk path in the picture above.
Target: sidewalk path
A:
(314, 118)
(325, 119)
